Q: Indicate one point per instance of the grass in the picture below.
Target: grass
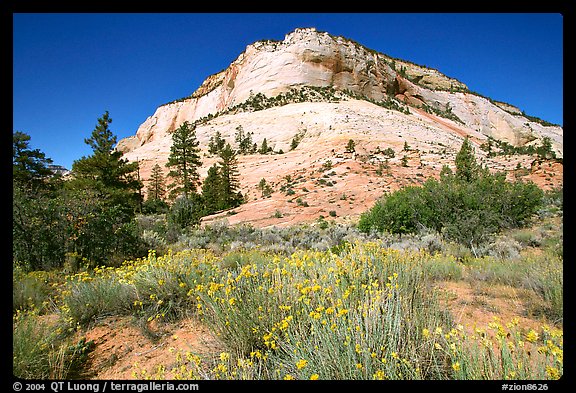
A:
(308, 302)
(364, 312)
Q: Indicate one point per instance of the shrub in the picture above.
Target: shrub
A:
(186, 211)
(32, 291)
(465, 211)
(39, 352)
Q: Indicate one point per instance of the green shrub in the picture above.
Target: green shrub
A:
(186, 211)
(465, 211)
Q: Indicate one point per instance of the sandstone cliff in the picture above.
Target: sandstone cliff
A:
(359, 94)
(307, 57)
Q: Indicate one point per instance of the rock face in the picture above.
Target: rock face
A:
(441, 112)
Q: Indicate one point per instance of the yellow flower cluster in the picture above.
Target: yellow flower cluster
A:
(357, 311)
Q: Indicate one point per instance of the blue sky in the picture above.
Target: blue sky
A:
(71, 68)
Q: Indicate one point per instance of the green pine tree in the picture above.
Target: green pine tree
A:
(184, 160)
(264, 149)
(216, 143)
(105, 171)
(211, 190)
(351, 146)
(467, 168)
(156, 186)
(230, 184)
(29, 167)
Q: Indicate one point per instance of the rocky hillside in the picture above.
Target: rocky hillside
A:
(323, 91)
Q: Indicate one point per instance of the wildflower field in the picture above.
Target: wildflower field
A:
(363, 311)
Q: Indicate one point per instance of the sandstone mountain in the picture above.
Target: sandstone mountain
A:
(322, 91)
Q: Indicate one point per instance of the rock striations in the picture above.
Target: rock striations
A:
(327, 90)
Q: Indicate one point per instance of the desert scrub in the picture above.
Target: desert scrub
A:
(151, 288)
(498, 351)
(40, 352)
(34, 290)
(541, 273)
(326, 315)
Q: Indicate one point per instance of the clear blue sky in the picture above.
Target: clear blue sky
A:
(70, 68)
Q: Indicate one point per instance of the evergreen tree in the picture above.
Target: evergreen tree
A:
(351, 146)
(265, 188)
(211, 190)
(184, 160)
(29, 167)
(229, 186)
(264, 149)
(545, 150)
(244, 141)
(156, 186)
(105, 171)
(467, 168)
(216, 143)
(101, 200)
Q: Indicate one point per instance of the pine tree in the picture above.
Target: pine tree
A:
(230, 184)
(105, 171)
(467, 168)
(351, 146)
(101, 200)
(216, 143)
(264, 149)
(29, 167)
(211, 190)
(156, 186)
(185, 160)
(545, 150)
(265, 188)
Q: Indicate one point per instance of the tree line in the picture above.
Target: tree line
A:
(88, 217)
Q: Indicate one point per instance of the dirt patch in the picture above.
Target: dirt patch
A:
(124, 347)
(476, 304)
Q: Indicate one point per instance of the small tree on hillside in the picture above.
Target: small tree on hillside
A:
(264, 188)
(216, 143)
(467, 168)
(264, 149)
(244, 141)
(351, 146)
(545, 150)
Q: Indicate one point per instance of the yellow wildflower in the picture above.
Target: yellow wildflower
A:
(300, 364)
(224, 356)
(552, 372)
(532, 336)
(456, 366)
(314, 377)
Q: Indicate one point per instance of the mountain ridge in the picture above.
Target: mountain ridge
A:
(272, 88)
